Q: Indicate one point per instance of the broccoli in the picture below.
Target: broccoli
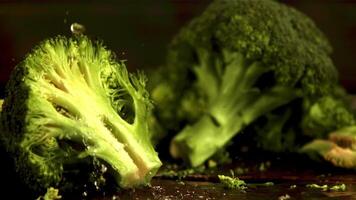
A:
(51, 194)
(326, 115)
(331, 122)
(70, 104)
(279, 130)
(239, 61)
(232, 182)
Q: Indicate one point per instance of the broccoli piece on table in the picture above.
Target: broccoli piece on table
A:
(232, 182)
(68, 104)
(238, 61)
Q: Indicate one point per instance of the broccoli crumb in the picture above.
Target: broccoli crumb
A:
(232, 182)
(292, 186)
(172, 172)
(51, 194)
(268, 184)
(340, 187)
(284, 197)
(316, 186)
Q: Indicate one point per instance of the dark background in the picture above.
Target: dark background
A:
(139, 30)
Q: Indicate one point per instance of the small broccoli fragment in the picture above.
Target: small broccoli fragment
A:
(340, 187)
(316, 186)
(236, 63)
(232, 182)
(70, 104)
(51, 194)
(284, 197)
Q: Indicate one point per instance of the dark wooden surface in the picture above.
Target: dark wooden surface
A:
(289, 175)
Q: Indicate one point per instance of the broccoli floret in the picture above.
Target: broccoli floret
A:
(69, 102)
(288, 128)
(238, 61)
(331, 122)
(325, 115)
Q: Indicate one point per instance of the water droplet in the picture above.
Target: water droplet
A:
(77, 29)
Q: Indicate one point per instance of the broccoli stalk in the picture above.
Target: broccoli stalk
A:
(69, 100)
(235, 102)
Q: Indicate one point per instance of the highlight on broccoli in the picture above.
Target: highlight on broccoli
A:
(68, 105)
(239, 61)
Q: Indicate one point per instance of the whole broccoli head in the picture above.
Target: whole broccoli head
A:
(69, 103)
(238, 61)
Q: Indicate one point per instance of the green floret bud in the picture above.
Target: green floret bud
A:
(325, 115)
(68, 101)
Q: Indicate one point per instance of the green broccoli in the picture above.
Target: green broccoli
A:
(232, 182)
(68, 104)
(237, 62)
(280, 130)
(325, 115)
(51, 194)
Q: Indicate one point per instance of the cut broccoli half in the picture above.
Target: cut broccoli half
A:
(68, 101)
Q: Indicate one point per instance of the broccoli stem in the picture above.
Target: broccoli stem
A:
(236, 104)
(197, 142)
